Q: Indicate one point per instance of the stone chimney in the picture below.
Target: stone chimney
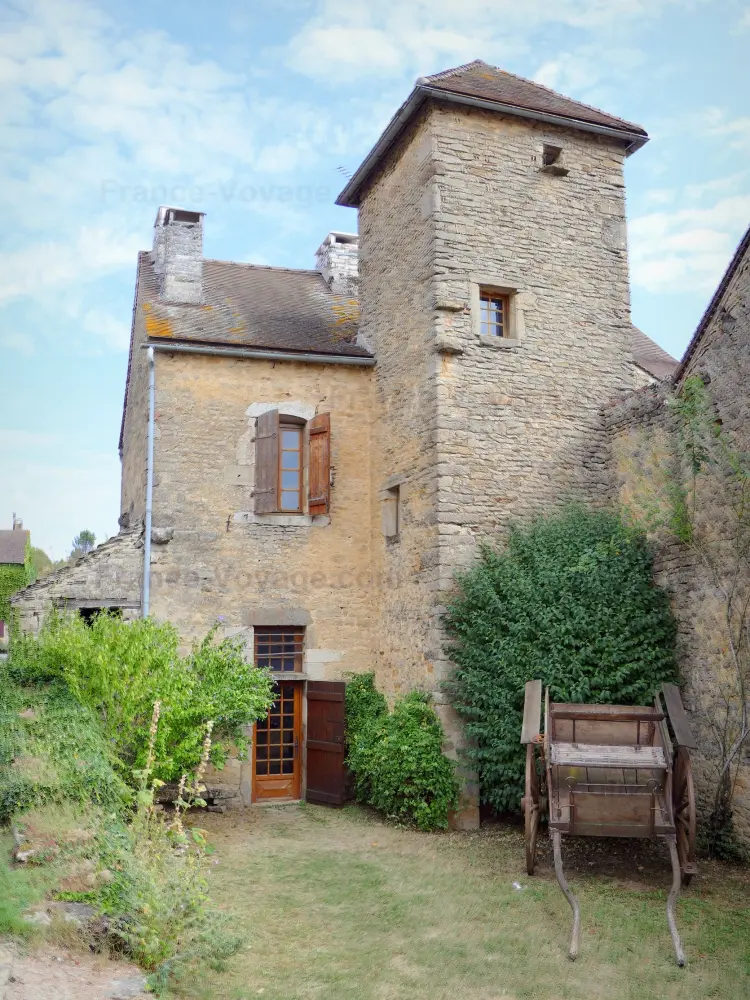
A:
(336, 259)
(17, 523)
(177, 255)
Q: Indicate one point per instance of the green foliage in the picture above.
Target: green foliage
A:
(396, 758)
(52, 749)
(12, 578)
(570, 601)
(41, 564)
(119, 669)
(83, 542)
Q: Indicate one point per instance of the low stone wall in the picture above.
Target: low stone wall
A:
(108, 577)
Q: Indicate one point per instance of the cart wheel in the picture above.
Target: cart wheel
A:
(683, 803)
(531, 808)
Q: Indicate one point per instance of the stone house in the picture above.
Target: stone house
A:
(14, 544)
(321, 450)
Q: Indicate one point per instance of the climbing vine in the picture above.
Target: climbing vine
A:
(695, 492)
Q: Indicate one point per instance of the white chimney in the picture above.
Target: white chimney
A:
(17, 523)
(177, 255)
(337, 260)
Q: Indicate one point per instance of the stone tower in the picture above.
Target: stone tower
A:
(494, 291)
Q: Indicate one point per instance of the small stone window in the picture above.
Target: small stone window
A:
(553, 160)
(494, 318)
(391, 513)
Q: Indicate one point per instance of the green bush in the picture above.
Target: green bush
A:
(119, 669)
(52, 749)
(397, 759)
(571, 601)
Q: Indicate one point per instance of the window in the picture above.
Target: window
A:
(553, 160)
(391, 513)
(290, 468)
(284, 451)
(280, 648)
(494, 318)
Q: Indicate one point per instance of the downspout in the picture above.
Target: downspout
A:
(149, 485)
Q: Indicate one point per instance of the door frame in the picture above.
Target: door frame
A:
(299, 782)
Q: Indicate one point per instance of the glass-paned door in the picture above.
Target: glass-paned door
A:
(277, 753)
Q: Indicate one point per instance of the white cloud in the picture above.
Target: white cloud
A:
(735, 130)
(402, 36)
(686, 250)
(96, 126)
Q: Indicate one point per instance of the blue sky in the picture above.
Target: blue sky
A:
(250, 111)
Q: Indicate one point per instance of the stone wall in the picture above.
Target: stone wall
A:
(110, 576)
(642, 430)
(476, 431)
(213, 556)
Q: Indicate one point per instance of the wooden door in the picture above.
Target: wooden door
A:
(277, 757)
(325, 742)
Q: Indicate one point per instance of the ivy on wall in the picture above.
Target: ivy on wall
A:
(13, 577)
(569, 600)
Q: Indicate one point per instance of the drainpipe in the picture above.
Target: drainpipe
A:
(149, 485)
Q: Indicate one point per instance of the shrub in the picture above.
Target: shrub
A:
(396, 758)
(53, 750)
(570, 600)
(119, 669)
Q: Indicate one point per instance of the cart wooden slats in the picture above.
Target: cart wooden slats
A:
(611, 771)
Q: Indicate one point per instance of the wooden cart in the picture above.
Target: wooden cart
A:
(611, 771)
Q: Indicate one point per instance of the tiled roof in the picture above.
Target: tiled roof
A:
(247, 305)
(492, 88)
(649, 356)
(739, 255)
(13, 546)
(479, 79)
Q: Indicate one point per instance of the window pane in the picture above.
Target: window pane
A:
(287, 767)
(290, 480)
(290, 501)
(261, 767)
(261, 753)
(290, 460)
(290, 439)
(274, 767)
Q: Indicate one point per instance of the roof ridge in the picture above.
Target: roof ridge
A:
(533, 83)
(457, 69)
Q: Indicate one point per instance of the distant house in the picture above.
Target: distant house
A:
(13, 576)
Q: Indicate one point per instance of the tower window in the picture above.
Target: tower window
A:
(551, 154)
(494, 314)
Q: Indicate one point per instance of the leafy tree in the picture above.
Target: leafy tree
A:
(119, 669)
(571, 601)
(83, 543)
(41, 564)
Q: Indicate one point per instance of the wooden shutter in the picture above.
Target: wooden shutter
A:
(267, 463)
(326, 772)
(319, 479)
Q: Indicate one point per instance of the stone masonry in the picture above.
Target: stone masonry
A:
(641, 429)
(108, 577)
(476, 431)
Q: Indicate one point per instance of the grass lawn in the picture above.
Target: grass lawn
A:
(338, 906)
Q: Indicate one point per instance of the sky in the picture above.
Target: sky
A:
(255, 111)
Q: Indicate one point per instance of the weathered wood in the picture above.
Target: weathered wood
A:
(266, 497)
(591, 755)
(606, 713)
(532, 707)
(319, 465)
(326, 772)
(682, 731)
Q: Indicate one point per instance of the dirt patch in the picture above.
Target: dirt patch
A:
(50, 974)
